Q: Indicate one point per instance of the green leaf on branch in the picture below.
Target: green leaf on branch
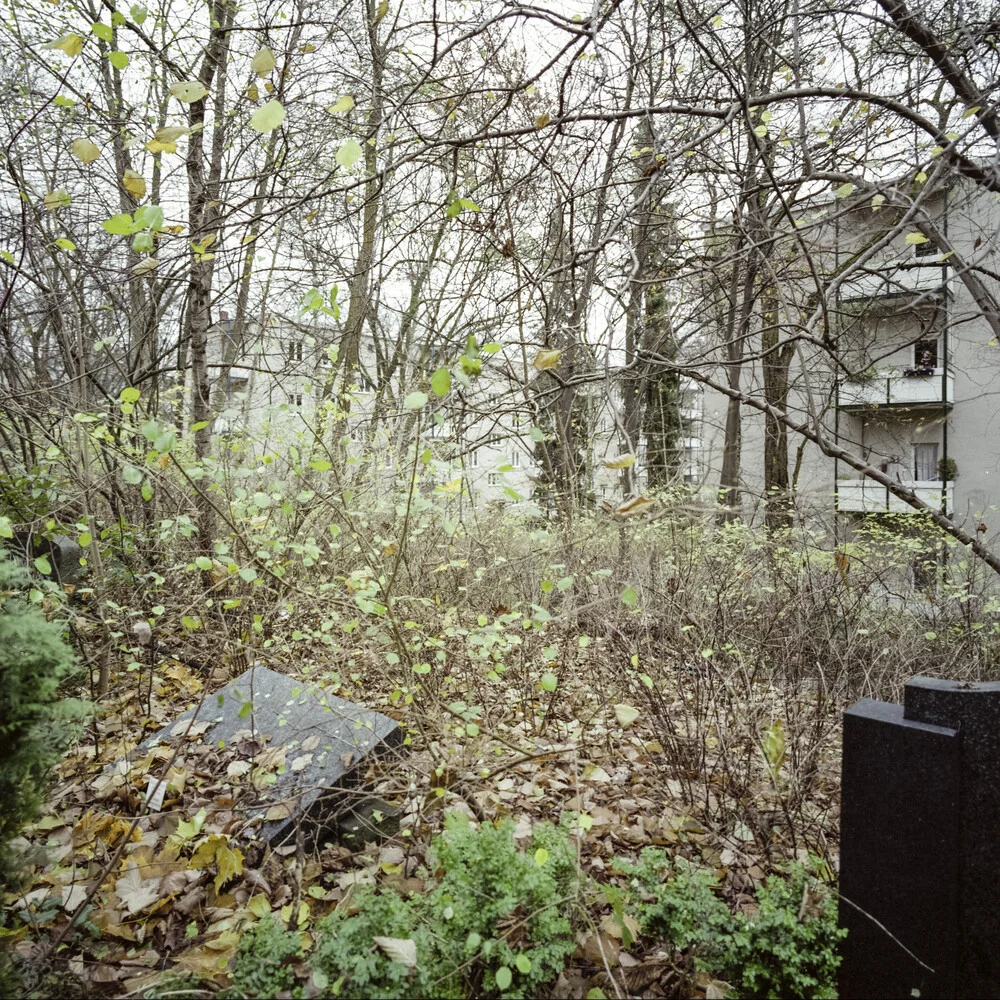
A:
(349, 153)
(268, 117)
(188, 91)
(149, 217)
(264, 62)
(441, 382)
(120, 225)
(343, 104)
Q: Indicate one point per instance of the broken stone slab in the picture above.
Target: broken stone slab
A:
(298, 749)
(371, 819)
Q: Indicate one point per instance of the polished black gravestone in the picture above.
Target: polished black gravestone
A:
(327, 742)
(920, 843)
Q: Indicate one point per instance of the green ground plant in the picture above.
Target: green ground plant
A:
(787, 949)
(35, 721)
(495, 924)
(263, 962)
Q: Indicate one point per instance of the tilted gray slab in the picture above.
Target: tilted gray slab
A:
(330, 740)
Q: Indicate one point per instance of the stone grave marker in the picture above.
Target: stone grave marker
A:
(317, 747)
(920, 843)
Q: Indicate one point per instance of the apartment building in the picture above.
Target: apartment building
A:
(282, 383)
(908, 377)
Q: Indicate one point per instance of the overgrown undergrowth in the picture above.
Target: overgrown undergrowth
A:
(665, 685)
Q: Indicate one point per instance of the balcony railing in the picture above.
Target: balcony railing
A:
(907, 388)
(894, 278)
(868, 497)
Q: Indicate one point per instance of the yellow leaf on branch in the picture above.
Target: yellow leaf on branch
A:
(621, 462)
(546, 359)
(135, 184)
(71, 44)
(85, 150)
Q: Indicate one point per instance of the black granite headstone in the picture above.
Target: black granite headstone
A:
(327, 742)
(920, 843)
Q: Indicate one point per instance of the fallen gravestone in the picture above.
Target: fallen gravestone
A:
(62, 552)
(298, 752)
(919, 856)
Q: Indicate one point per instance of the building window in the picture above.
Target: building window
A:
(926, 249)
(925, 461)
(474, 460)
(493, 478)
(925, 354)
(295, 350)
(295, 399)
(515, 460)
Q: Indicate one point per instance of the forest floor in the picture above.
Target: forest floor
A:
(120, 900)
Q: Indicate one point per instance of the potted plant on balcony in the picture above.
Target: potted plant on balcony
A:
(947, 469)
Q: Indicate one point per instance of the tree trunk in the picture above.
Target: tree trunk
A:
(204, 181)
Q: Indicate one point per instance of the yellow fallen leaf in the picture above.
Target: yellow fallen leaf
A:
(303, 915)
(206, 961)
(259, 907)
(230, 862)
(594, 772)
(280, 810)
(626, 715)
(205, 854)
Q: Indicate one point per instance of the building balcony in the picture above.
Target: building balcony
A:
(895, 279)
(864, 496)
(907, 388)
